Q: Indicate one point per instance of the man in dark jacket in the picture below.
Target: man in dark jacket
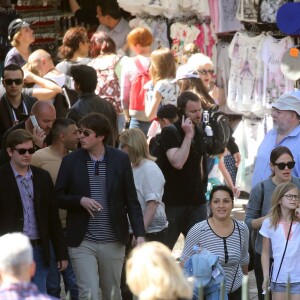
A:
(95, 185)
(28, 204)
(85, 82)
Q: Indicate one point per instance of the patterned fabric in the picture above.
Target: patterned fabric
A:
(108, 85)
(22, 291)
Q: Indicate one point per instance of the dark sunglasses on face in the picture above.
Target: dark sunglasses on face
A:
(204, 72)
(17, 81)
(84, 132)
(22, 151)
(282, 165)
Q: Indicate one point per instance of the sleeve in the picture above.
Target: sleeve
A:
(193, 238)
(134, 209)
(125, 86)
(65, 199)
(253, 210)
(169, 138)
(232, 146)
(264, 230)
(55, 227)
(245, 245)
(152, 184)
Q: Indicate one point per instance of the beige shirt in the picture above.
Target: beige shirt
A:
(50, 161)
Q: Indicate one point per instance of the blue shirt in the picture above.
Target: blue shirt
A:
(262, 168)
(25, 186)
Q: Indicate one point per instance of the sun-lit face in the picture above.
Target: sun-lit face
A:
(206, 72)
(290, 199)
(221, 205)
(285, 174)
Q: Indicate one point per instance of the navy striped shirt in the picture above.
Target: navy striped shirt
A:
(100, 227)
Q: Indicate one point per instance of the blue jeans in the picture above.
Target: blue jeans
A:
(182, 219)
(53, 279)
(42, 269)
(144, 126)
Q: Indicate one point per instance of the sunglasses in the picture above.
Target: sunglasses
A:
(84, 132)
(282, 166)
(17, 81)
(204, 72)
(22, 151)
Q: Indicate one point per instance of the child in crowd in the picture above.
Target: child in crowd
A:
(281, 231)
(161, 90)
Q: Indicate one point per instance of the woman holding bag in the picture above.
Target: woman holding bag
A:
(281, 231)
(281, 162)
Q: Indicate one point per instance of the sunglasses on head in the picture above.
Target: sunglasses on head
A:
(84, 132)
(204, 72)
(282, 165)
(17, 81)
(22, 151)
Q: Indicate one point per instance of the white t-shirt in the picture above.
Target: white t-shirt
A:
(291, 263)
(149, 183)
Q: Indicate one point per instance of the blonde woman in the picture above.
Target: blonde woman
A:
(149, 182)
(158, 276)
(161, 90)
(281, 232)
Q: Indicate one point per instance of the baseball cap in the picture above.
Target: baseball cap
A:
(287, 18)
(185, 72)
(15, 26)
(167, 111)
(288, 101)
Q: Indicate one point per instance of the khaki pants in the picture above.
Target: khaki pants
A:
(97, 264)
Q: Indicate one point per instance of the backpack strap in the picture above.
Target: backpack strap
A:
(139, 66)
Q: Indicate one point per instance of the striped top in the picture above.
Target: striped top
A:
(231, 249)
(100, 227)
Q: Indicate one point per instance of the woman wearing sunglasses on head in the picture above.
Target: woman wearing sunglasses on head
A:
(281, 163)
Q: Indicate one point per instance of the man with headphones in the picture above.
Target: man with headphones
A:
(183, 164)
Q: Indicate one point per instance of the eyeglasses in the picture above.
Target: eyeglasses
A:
(205, 72)
(282, 165)
(84, 132)
(291, 197)
(17, 81)
(22, 151)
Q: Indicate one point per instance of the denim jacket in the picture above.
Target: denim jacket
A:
(207, 272)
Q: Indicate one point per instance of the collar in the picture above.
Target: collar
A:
(119, 27)
(27, 176)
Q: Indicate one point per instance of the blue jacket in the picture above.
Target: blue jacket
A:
(207, 272)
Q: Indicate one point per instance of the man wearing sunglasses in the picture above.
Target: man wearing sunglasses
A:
(45, 115)
(28, 204)
(95, 185)
(14, 106)
(286, 132)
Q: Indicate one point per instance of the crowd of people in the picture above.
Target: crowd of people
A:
(104, 163)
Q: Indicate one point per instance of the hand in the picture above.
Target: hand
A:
(140, 240)
(39, 136)
(188, 127)
(236, 191)
(90, 205)
(265, 286)
(62, 265)
(29, 77)
(237, 158)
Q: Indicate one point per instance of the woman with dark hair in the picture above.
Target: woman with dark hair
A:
(74, 49)
(224, 237)
(105, 62)
(281, 163)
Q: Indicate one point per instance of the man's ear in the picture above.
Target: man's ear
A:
(9, 151)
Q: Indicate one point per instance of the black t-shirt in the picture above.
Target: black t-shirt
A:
(186, 186)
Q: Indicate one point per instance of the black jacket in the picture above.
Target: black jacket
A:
(73, 183)
(45, 205)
